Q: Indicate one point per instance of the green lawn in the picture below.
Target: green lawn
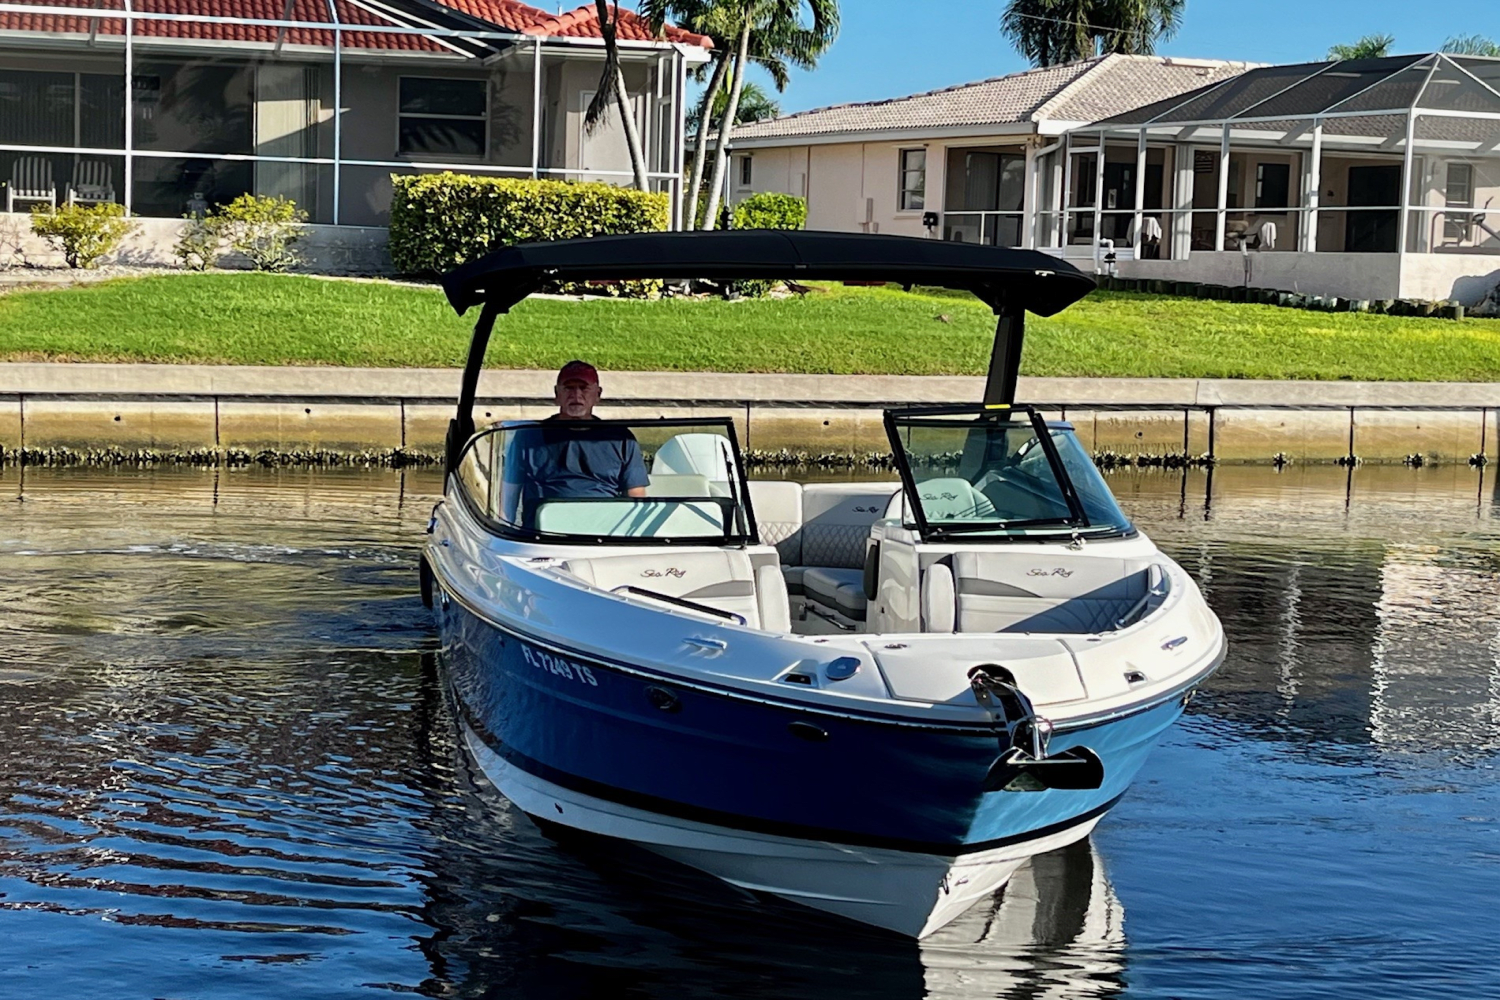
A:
(276, 319)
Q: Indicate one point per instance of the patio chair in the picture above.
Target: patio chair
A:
(30, 180)
(93, 183)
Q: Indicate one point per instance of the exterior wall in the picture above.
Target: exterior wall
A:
(854, 187)
(1347, 276)
(359, 250)
(1465, 278)
(226, 101)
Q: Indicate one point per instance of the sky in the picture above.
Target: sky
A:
(890, 48)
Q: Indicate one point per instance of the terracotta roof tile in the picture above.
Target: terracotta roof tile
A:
(506, 15)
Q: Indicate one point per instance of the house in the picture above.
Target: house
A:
(175, 106)
(973, 162)
(1363, 180)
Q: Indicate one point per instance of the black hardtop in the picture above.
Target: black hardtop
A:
(1016, 279)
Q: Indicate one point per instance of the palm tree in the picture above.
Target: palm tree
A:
(612, 88)
(1471, 45)
(1368, 47)
(778, 28)
(755, 105)
(1048, 32)
(719, 20)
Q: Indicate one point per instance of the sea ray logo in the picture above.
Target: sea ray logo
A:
(867, 510)
(1056, 571)
(671, 571)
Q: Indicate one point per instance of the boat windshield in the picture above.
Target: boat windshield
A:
(571, 480)
(1007, 474)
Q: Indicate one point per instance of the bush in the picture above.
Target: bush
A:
(769, 210)
(439, 221)
(264, 228)
(83, 233)
(200, 244)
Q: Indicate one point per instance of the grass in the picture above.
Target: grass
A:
(265, 319)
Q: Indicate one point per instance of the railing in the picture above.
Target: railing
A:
(995, 229)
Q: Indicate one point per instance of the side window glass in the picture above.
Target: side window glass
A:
(477, 473)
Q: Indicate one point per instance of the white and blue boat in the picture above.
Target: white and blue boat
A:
(874, 700)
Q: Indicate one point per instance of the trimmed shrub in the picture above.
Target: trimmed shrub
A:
(264, 228)
(200, 243)
(769, 210)
(439, 221)
(83, 233)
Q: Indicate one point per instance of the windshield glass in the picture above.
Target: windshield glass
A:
(993, 475)
(601, 480)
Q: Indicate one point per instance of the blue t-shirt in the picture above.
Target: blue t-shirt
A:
(564, 459)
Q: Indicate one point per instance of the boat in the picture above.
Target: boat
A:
(875, 699)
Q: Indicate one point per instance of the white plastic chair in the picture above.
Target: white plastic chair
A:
(93, 183)
(30, 180)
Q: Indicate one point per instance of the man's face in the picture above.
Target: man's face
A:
(576, 398)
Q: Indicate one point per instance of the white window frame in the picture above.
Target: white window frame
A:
(901, 171)
(484, 152)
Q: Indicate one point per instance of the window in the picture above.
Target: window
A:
(913, 180)
(1273, 185)
(747, 171)
(1459, 193)
(442, 118)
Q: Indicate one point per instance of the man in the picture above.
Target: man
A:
(570, 455)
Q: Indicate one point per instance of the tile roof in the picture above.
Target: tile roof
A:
(506, 15)
(1083, 91)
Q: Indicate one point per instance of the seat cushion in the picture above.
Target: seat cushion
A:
(837, 588)
(1056, 591)
(793, 576)
(778, 515)
(719, 579)
(836, 519)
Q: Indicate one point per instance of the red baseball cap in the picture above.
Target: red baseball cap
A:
(579, 370)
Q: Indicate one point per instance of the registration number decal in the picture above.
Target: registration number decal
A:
(560, 666)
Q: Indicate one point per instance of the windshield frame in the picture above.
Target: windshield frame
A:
(738, 501)
(1076, 523)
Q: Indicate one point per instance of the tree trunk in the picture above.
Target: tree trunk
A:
(632, 132)
(721, 150)
(700, 142)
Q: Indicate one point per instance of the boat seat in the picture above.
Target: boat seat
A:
(778, 515)
(1053, 592)
(836, 520)
(837, 588)
(678, 486)
(719, 579)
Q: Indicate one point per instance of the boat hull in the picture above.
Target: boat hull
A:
(909, 893)
(878, 820)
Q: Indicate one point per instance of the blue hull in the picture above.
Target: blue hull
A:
(598, 728)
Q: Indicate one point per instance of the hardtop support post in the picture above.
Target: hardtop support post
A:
(461, 427)
(1005, 357)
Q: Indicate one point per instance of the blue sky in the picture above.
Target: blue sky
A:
(888, 48)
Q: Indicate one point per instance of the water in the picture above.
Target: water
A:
(226, 771)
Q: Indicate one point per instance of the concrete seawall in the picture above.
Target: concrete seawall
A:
(200, 410)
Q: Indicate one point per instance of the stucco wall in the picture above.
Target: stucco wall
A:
(1468, 278)
(1348, 276)
(853, 187)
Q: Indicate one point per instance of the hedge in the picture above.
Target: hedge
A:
(769, 210)
(439, 221)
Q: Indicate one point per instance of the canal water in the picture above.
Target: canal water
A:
(226, 770)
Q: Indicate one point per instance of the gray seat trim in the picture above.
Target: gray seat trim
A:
(837, 588)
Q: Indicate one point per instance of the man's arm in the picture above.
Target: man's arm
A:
(633, 476)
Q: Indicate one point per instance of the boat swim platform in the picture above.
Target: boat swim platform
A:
(167, 410)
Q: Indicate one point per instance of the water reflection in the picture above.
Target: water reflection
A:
(226, 760)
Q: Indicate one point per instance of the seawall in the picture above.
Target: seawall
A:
(54, 411)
